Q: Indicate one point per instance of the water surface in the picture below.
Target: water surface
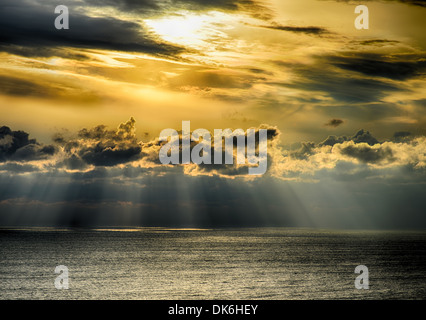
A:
(156, 263)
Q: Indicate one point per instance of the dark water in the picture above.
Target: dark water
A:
(212, 264)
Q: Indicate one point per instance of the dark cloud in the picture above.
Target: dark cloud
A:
(260, 71)
(29, 24)
(33, 152)
(216, 4)
(364, 136)
(401, 136)
(306, 150)
(19, 87)
(27, 51)
(334, 123)
(140, 6)
(109, 154)
(377, 42)
(16, 167)
(332, 140)
(16, 145)
(420, 102)
(350, 90)
(229, 170)
(100, 146)
(73, 162)
(149, 7)
(420, 3)
(356, 77)
(378, 66)
(205, 79)
(359, 137)
(321, 77)
(41, 88)
(368, 154)
(312, 30)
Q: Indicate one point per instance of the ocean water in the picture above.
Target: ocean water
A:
(158, 263)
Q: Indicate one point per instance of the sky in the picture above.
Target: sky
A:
(81, 111)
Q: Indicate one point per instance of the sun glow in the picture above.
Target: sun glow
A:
(192, 30)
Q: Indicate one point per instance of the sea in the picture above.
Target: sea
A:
(202, 264)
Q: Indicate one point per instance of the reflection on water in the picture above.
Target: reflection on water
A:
(156, 263)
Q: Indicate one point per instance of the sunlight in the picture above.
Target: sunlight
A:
(190, 29)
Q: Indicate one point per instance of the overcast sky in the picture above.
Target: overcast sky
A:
(81, 111)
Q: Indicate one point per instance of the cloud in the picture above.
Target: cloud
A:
(304, 151)
(16, 146)
(401, 136)
(334, 123)
(140, 6)
(332, 140)
(100, 152)
(364, 136)
(149, 7)
(310, 30)
(355, 157)
(100, 146)
(43, 88)
(225, 170)
(234, 170)
(29, 24)
(359, 137)
(356, 76)
(394, 67)
(319, 76)
(366, 153)
(420, 3)
(27, 27)
(207, 79)
(378, 42)
(20, 87)
(16, 167)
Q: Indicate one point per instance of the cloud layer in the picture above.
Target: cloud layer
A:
(102, 147)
